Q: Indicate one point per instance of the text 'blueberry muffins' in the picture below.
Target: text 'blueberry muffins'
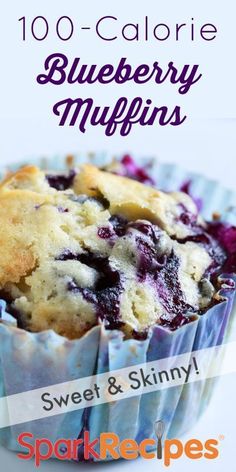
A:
(93, 247)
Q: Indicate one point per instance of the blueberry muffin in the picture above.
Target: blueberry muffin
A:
(92, 247)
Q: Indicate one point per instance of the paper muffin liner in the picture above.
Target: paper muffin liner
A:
(33, 360)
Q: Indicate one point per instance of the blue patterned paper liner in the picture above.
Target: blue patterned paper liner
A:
(33, 360)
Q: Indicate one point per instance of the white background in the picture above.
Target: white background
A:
(205, 143)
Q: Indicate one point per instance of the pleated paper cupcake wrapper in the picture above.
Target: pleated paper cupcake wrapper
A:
(34, 360)
(31, 361)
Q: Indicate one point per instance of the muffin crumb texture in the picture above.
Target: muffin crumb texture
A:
(91, 247)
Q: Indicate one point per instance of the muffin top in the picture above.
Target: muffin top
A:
(91, 247)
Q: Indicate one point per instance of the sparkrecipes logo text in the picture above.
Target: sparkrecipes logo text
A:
(109, 445)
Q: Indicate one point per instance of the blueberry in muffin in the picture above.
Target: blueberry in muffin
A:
(91, 247)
